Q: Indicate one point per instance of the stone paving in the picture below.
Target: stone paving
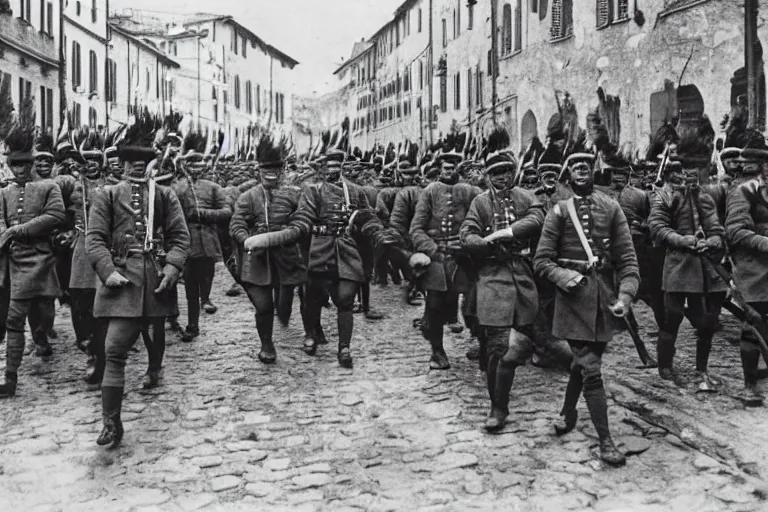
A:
(227, 433)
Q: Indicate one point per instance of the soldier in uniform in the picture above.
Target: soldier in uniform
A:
(498, 230)
(684, 221)
(31, 211)
(267, 208)
(586, 250)
(89, 333)
(747, 229)
(205, 205)
(135, 274)
(339, 217)
(434, 234)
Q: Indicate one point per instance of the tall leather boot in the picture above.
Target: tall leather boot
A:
(597, 403)
(345, 322)
(707, 383)
(505, 376)
(8, 388)
(156, 354)
(750, 359)
(111, 406)
(95, 371)
(264, 325)
(569, 414)
(665, 353)
(14, 350)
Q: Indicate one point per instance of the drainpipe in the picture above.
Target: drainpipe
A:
(430, 75)
(62, 68)
(750, 43)
(494, 55)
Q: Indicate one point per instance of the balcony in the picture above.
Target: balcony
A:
(22, 36)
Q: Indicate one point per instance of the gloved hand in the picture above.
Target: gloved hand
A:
(710, 245)
(256, 242)
(575, 282)
(622, 306)
(170, 276)
(689, 242)
(116, 280)
(419, 260)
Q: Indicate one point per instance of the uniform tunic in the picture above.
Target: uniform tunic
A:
(83, 276)
(112, 227)
(403, 210)
(385, 202)
(261, 211)
(439, 213)
(205, 205)
(674, 215)
(580, 314)
(747, 229)
(324, 214)
(506, 291)
(29, 262)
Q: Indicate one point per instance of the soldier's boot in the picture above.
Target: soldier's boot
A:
(173, 324)
(42, 345)
(111, 405)
(439, 359)
(505, 376)
(369, 312)
(209, 307)
(455, 327)
(706, 382)
(156, 352)
(750, 395)
(482, 356)
(665, 354)
(264, 326)
(233, 291)
(569, 414)
(345, 323)
(98, 361)
(394, 274)
(8, 388)
(594, 394)
(191, 332)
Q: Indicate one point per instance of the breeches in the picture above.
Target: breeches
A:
(512, 350)
(703, 311)
(588, 361)
(122, 333)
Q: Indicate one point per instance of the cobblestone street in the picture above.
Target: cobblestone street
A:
(224, 432)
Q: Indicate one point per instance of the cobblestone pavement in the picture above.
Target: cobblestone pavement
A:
(227, 433)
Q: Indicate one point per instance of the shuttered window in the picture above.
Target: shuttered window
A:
(603, 10)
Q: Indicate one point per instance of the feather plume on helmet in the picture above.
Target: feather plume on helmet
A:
(497, 155)
(742, 143)
(453, 148)
(91, 145)
(19, 144)
(665, 135)
(694, 148)
(137, 144)
(270, 154)
(43, 147)
(193, 146)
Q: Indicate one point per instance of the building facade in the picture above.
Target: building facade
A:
(84, 65)
(29, 58)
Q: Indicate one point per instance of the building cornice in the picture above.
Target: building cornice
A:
(29, 52)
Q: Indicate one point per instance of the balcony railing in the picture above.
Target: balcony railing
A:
(23, 36)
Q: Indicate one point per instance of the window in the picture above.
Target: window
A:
(237, 92)
(457, 91)
(562, 19)
(469, 88)
(408, 24)
(49, 19)
(25, 12)
(77, 115)
(458, 18)
(399, 111)
(77, 8)
(42, 15)
(245, 46)
(397, 33)
(25, 91)
(233, 42)
(111, 83)
(148, 79)
(258, 99)
(76, 71)
(406, 80)
(609, 11)
(92, 117)
(455, 27)
(93, 69)
(282, 108)
(534, 6)
(215, 102)
(421, 74)
(506, 30)
(479, 92)
(470, 16)
(519, 25)
(213, 35)
(248, 97)
(445, 33)
(46, 108)
(93, 13)
(419, 20)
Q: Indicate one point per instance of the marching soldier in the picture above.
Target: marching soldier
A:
(586, 247)
(684, 221)
(267, 208)
(135, 275)
(434, 233)
(498, 231)
(205, 205)
(31, 211)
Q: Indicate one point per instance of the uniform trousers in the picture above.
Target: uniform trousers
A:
(122, 333)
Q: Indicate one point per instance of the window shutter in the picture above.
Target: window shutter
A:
(557, 19)
(519, 26)
(603, 13)
(622, 9)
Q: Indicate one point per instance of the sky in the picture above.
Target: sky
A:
(317, 33)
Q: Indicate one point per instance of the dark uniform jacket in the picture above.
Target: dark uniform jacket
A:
(324, 213)
(506, 291)
(83, 275)
(582, 314)
(385, 202)
(674, 215)
(68, 185)
(261, 211)
(205, 205)
(115, 241)
(435, 227)
(747, 228)
(28, 263)
(403, 210)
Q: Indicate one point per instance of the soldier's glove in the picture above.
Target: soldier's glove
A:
(689, 242)
(710, 245)
(419, 263)
(116, 280)
(500, 235)
(622, 306)
(8, 235)
(64, 239)
(170, 276)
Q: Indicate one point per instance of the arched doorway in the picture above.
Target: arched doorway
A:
(528, 129)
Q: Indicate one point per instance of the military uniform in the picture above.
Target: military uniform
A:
(135, 274)
(586, 289)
